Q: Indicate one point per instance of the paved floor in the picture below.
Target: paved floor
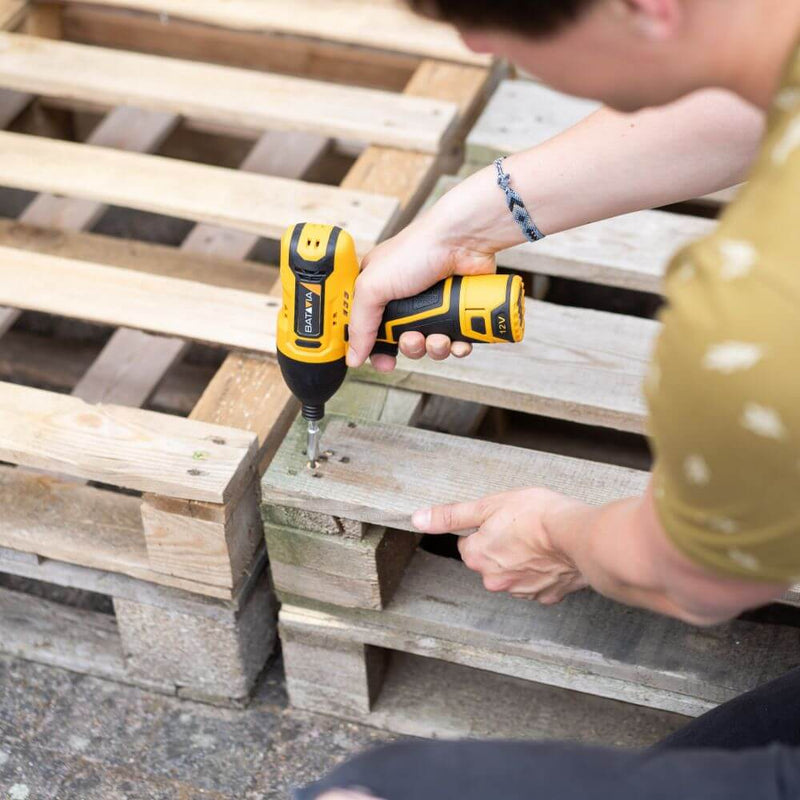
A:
(74, 737)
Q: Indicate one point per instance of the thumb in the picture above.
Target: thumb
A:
(365, 319)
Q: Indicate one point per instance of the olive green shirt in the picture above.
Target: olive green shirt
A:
(724, 387)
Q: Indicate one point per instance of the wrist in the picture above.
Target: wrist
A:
(567, 525)
(474, 216)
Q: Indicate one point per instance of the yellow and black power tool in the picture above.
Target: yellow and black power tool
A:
(319, 268)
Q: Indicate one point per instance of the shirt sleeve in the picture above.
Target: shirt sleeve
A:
(724, 386)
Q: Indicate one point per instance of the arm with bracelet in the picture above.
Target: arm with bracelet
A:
(609, 164)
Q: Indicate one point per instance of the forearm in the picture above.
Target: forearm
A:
(624, 553)
(611, 164)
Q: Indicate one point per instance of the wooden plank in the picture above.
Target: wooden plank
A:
(575, 364)
(435, 699)
(126, 447)
(522, 114)
(115, 296)
(48, 632)
(390, 471)
(85, 526)
(288, 55)
(144, 257)
(126, 129)
(587, 643)
(382, 26)
(115, 584)
(631, 251)
(244, 201)
(277, 154)
(12, 13)
(226, 95)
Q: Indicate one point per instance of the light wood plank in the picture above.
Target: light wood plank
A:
(117, 296)
(522, 114)
(278, 154)
(125, 447)
(630, 251)
(126, 129)
(575, 364)
(390, 471)
(12, 13)
(254, 203)
(227, 95)
(85, 526)
(384, 26)
(587, 643)
(144, 257)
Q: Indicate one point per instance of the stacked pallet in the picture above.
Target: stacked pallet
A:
(156, 510)
(357, 591)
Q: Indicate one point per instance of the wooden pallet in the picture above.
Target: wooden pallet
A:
(355, 587)
(155, 509)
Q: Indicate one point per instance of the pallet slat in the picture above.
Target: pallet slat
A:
(126, 447)
(115, 296)
(83, 525)
(587, 643)
(226, 95)
(380, 25)
(630, 252)
(381, 474)
(576, 364)
(244, 201)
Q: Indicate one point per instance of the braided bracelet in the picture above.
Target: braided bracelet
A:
(516, 206)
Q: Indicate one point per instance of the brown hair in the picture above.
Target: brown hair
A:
(531, 17)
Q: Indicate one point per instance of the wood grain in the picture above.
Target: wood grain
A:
(255, 203)
(587, 643)
(126, 447)
(227, 95)
(575, 364)
(384, 26)
(631, 251)
(116, 296)
(381, 474)
(86, 526)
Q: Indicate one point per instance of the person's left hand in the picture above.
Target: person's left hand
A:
(513, 549)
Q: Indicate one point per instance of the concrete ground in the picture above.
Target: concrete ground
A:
(74, 737)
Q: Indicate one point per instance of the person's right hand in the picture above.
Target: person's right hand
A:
(414, 260)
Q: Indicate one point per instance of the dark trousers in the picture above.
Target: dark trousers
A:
(747, 749)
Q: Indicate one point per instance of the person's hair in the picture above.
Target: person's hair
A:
(531, 17)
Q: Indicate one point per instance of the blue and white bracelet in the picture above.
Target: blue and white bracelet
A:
(515, 204)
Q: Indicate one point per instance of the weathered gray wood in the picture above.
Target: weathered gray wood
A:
(436, 699)
(41, 630)
(576, 364)
(353, 672)
(129, 369)
(448, 415)
(361, 573)
(390, 471)
(630, 252)
(213, 659)
(587, 643)
(209, 657)
(115, 584)
(522, 114)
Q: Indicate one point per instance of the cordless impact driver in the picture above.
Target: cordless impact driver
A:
(318, 271)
